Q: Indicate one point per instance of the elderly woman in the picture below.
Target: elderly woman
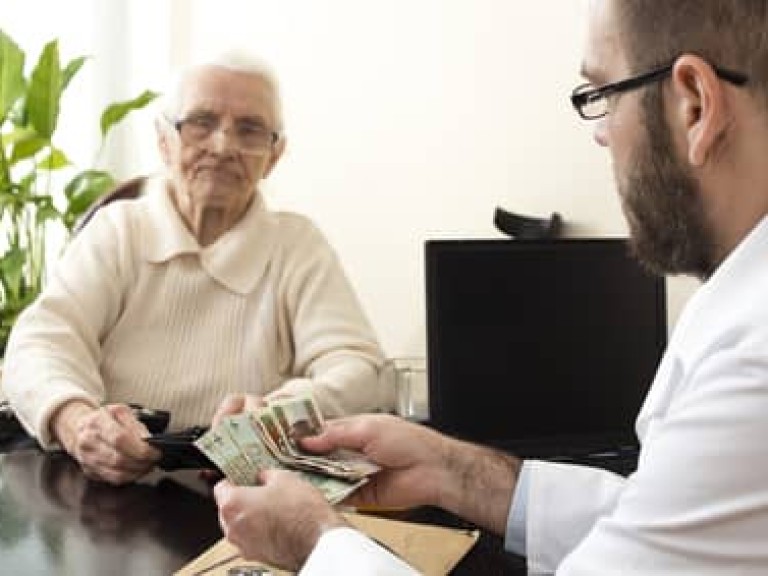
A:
(193, 293)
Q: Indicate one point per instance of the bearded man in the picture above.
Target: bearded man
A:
(678, 92)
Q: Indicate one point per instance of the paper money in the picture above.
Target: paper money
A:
(241, 430)
(333, 489)
(219, 446)
(297, 418)
(300, 417)
(244, 444)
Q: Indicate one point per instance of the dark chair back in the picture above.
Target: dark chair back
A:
(124, 191)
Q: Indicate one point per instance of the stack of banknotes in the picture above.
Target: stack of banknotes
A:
(246, 443)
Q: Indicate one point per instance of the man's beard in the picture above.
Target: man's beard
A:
(662, 204)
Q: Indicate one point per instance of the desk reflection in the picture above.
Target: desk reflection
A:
(53, 520)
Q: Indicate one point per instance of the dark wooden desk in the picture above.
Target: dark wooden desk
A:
(55, 521)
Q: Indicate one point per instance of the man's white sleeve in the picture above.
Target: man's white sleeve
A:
(344, 551)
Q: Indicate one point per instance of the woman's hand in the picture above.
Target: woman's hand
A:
(235, 404)
(108, 442)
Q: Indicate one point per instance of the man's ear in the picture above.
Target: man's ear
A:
(702, 107)
(277, 153)
(162, 142)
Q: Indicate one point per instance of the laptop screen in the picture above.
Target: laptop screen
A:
(537, 342)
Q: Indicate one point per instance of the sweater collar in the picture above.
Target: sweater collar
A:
(237, 260)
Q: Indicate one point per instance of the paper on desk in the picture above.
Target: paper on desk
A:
(433, 550)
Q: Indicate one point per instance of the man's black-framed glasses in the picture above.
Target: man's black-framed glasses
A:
(250, 137)
(591, 102)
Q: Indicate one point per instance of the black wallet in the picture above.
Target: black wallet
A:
(10, 428)
(179, 451)
(155, 420)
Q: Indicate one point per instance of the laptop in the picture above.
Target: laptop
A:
(544, 348)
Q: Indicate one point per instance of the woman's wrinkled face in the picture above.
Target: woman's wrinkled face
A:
(209, 147)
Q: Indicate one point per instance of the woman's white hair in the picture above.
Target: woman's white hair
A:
(235, 60)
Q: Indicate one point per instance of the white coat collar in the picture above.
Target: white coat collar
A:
(732, 286)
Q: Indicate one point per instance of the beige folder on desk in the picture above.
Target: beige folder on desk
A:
(433, 550)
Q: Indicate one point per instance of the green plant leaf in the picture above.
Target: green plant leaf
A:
(12, 272)
(18, 113)
(15, 294)
(116, 111)
(54, 161)
(16, 135)
(46, 211)
(24, 187)
(9, 199)
(21, 193)
(82, 191)
(27, 148)
(11, 74)
(72, 68)
(45, 91)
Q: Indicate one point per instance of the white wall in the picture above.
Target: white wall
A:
(406, 120)
(413, 119)
(23, 21)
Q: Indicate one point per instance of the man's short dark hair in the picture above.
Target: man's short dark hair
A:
(732, 34)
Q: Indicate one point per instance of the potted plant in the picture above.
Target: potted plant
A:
(33, 200)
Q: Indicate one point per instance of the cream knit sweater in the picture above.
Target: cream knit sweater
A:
(138, 312)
